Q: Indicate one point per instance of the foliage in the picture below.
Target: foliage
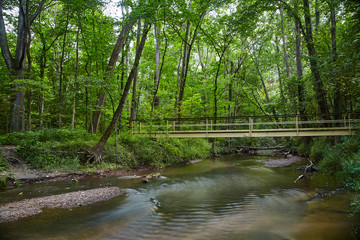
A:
(236, 62)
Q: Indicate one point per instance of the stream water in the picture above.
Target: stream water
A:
(233, 197)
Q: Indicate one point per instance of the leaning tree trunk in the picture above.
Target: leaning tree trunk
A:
(112, 62)
(99, 147)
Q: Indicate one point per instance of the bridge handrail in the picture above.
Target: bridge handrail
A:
(300, 116)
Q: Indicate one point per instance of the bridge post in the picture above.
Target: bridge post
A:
(167, 128)
(344, 120)
(297, 123)
(207, 127)
(251, 125)
(131, 126)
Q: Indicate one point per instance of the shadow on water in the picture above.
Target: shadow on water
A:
(232, 197)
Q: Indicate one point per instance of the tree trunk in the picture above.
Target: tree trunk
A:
(134, 91)
(183, 73)
(279, 72)
(337, 95)
(178, 75)
(320, 94)
(42, 94)
(317, 16)
(299, 68)
(99, 147)
(157, 33)
(203, 68)
(16, 65)
(18, 109)
(286, 58)
(61, 66)
(28, 92)
(75, 81)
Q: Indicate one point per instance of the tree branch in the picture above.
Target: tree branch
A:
(3, 40)
(38, 11)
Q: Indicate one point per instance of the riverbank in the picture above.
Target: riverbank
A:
(60, 154)
(29, 207)
(19, 172)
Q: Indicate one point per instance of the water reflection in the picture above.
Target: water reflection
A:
(228, 198)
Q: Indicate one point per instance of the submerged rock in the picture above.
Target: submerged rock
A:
(148, 178)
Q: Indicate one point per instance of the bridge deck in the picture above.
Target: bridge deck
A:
(226, 129)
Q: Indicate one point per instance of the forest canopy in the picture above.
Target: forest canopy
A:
(99, 64)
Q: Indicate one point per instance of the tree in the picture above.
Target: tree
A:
(99, 147)
(16, 64)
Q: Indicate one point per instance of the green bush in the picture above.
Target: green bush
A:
(51, 148)
(4, 165)
(318, 149)
(351, 172)
(121, 158)
(163, 152)
(339, 159)
(146, 151)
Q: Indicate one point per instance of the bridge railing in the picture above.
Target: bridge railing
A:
(248, 124)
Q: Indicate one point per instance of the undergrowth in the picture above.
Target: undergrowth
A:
(62, 149)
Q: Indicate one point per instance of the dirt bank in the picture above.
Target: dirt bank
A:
(284, 161)
(29, 207)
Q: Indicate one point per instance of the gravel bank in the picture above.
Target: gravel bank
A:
(283, 162)
(29, 207)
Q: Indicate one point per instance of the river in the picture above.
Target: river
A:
(233, 197)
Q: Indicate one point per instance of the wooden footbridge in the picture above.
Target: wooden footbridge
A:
(251, 126)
